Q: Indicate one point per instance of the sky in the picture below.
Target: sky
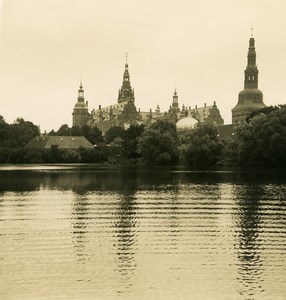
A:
(199, 47)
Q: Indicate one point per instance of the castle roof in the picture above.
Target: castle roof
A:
(62, 142)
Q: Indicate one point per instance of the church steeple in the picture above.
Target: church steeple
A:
(250, 99)
(126, 93)
(251, 71)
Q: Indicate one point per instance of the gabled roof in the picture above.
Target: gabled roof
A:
(63, 142)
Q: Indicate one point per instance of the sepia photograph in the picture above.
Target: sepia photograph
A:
(142, 149)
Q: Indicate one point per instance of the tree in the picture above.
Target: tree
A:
(265, 111)
(159, 143)
(93, 134)
(2, 120)
(262, 141)
(4, 132)
(114, 132)
(131, 140)
(21, 132)
(201, 146)
(64, 130)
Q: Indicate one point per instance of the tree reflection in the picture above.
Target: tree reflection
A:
(250, 268)
(79, 224)
(125, 230)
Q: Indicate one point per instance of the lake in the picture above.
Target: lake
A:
(89, 232)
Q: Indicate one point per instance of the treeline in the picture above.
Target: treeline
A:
(259, 142)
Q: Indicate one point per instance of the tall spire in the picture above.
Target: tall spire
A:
(250, 99)
(126, 92)
(251, 71)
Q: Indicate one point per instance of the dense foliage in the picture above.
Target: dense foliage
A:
(159, 143)
(262, 141)
(259, 142)
(201, 146)
(17, 134)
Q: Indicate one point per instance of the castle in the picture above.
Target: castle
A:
(124, 112)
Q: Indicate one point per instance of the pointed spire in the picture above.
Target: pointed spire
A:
(252, 30)
(80, 92)
(251, 71)
(126, 91)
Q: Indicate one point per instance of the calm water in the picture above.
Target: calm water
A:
(70, 232)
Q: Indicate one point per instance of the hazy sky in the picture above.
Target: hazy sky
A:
(199, 46)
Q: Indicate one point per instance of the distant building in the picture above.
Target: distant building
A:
(61, 142)
(123, 113)
(250, 99)
(207, 114)
(80, 111)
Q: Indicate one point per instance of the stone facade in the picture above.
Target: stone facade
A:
(250, 99)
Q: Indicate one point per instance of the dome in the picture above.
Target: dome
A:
(252, 92)
(186, 123)
(250, 98)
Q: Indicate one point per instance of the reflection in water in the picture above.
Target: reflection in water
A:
(250, 269)
(79, 222)
(173, 218)
(125, 231)
(86, 232)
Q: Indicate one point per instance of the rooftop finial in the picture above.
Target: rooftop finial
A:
(80, 86)
(126, 58)
(252, 30)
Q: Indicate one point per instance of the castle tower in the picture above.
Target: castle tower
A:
(126, 93)
(250, 98)
(175, 104)
(80, 111)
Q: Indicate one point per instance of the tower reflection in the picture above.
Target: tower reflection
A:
(125, 230)
(79, 224)
(250, 266)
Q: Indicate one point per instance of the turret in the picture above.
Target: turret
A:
(175, 103)
(126, 93)
(250, 99)
(80, 111)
